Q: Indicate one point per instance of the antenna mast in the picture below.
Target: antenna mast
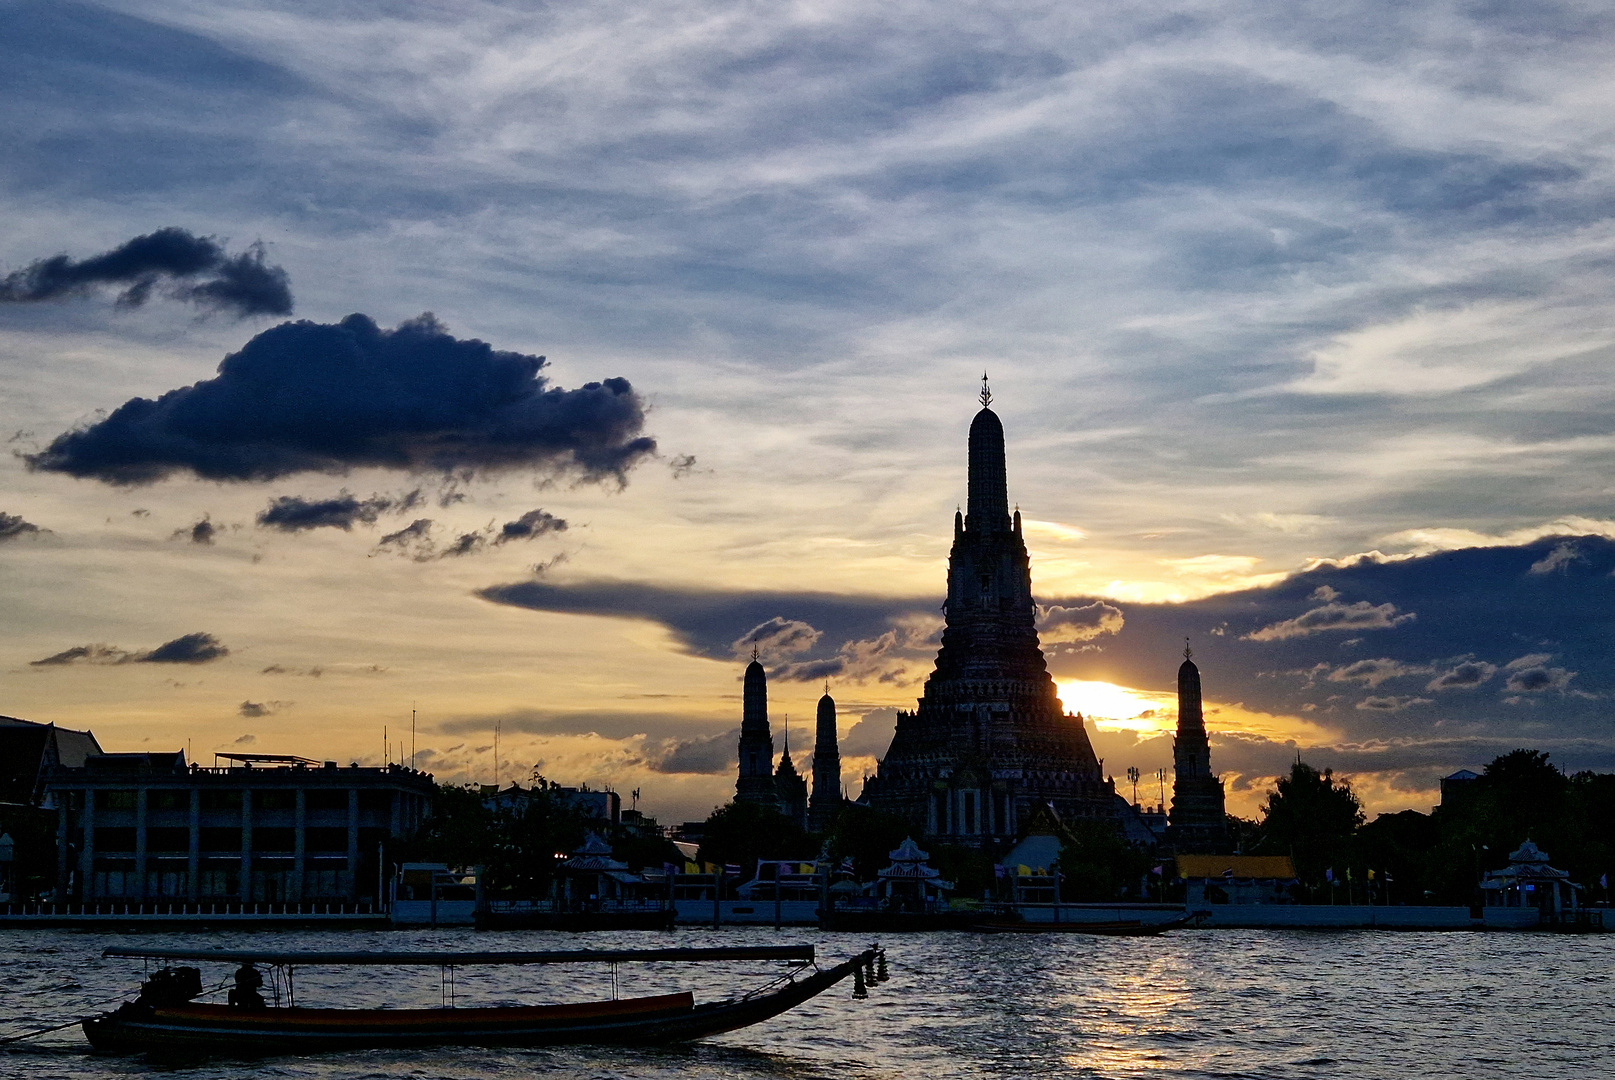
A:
(986, 391)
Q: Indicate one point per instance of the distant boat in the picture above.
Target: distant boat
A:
(166, 1019)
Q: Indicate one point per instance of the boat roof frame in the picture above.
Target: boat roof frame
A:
(800, 953)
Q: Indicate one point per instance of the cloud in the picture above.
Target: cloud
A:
(190, 649)
(246, 740)
(1373, 672)
(413, 541)
(198, 648)
(254, 709)
(278, 669)
(531, 524)
(293, 513)
(681, 465)
(1057, 624)
(200, 533)
(871, 736)
(12, 526)
(1334, 616)
(777, 637)
(710, 756)
(1560, 557)
(1391, 703)
(1465, 675)
(194, 269)
(314, 397)
(1530, 674)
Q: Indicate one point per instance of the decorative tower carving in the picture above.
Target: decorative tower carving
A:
(1197, 823)
(756, 780)
(826, 802)
(990, 740)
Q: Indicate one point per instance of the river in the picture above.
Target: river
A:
(1224, 1003)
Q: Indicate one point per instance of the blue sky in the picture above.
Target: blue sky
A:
(1258, 285)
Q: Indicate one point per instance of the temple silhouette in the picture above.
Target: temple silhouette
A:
(990, 742)
(1199, 824)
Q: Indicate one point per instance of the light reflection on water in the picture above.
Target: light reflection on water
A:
(1189, 1004)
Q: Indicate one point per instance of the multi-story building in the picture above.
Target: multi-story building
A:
(262, 827)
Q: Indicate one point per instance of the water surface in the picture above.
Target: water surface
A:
(1260, 1004)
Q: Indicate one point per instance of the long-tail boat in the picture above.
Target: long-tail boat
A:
(165, 1018)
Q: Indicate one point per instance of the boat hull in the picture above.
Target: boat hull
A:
(193, 1029)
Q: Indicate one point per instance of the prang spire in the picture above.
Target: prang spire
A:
(987, 508)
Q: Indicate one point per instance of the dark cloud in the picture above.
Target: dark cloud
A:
(314, 397)
(608, 724)
(718, 624)
(198, 648)
(1333, 616)
(682, 465)
(716, 754)
(1531, 674)
(172, 261)
(1465, 675)
(200, 533)
(413, 540)
(465, 544)
(190, 649)
(531, 524)
(872, 735)
(293, 513)
(13, 526)
(278, 669)
(1478, 609)
(254, 709)
(1085, 622)
(1373, 672)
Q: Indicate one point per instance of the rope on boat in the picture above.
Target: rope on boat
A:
(41, 1031)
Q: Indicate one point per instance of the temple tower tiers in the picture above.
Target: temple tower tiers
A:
(826, 802)
(1197, 823)
(789, 786)
(756, 780)
(990, 740)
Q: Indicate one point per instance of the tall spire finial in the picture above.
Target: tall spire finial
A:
(1187, 652)
(754, 649)
(986, 391)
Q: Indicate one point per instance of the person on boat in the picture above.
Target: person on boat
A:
(245, 994)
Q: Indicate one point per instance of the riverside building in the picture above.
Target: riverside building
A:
(262, 827)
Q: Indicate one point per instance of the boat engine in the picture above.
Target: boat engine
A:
(171, 986)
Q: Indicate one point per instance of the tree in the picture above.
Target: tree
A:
(1097, 863)
(1310, 816)
(744, 833)
(867, 837)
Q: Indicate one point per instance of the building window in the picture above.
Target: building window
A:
(325, 839)
(221, 839)
(116, 800)
(326, 799)
(970, 811)
(274, 839)
(274, 799)
(168, 839)
(114, 839)
(168, 799)
(221, 800)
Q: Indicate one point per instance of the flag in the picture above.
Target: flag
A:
(1371, 875)
(1228, 874)
(732, 868)
(1158, 870)
(1329, 876)
(1603, 882)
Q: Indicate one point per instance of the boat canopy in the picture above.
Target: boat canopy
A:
(455, 959)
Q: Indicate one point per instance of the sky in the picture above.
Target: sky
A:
(1298, 317)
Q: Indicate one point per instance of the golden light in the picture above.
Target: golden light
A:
(1119, 707)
